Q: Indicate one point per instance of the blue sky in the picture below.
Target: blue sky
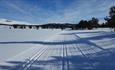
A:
(44, 11)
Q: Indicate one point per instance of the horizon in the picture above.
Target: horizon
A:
(54, 11)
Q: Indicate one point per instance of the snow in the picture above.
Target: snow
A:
(47, 49)
(7, 34)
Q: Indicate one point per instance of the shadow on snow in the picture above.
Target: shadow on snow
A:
(97, 61)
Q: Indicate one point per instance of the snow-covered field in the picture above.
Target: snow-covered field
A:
(57, 50)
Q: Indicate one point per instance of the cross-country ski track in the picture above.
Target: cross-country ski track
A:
(68, 50)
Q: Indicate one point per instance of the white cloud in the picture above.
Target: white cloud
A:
(84, 9)
(73, 12)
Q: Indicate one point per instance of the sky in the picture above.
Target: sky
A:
(54, 11)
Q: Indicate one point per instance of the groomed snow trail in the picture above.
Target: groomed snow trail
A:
(66, 51)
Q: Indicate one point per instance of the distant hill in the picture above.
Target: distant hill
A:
(11, 22)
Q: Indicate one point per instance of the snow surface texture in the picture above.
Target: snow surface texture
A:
(65, 50)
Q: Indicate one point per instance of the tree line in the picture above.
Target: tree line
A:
(83, 24)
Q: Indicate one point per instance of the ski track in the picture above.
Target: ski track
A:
(59, 57)
(33, 59)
